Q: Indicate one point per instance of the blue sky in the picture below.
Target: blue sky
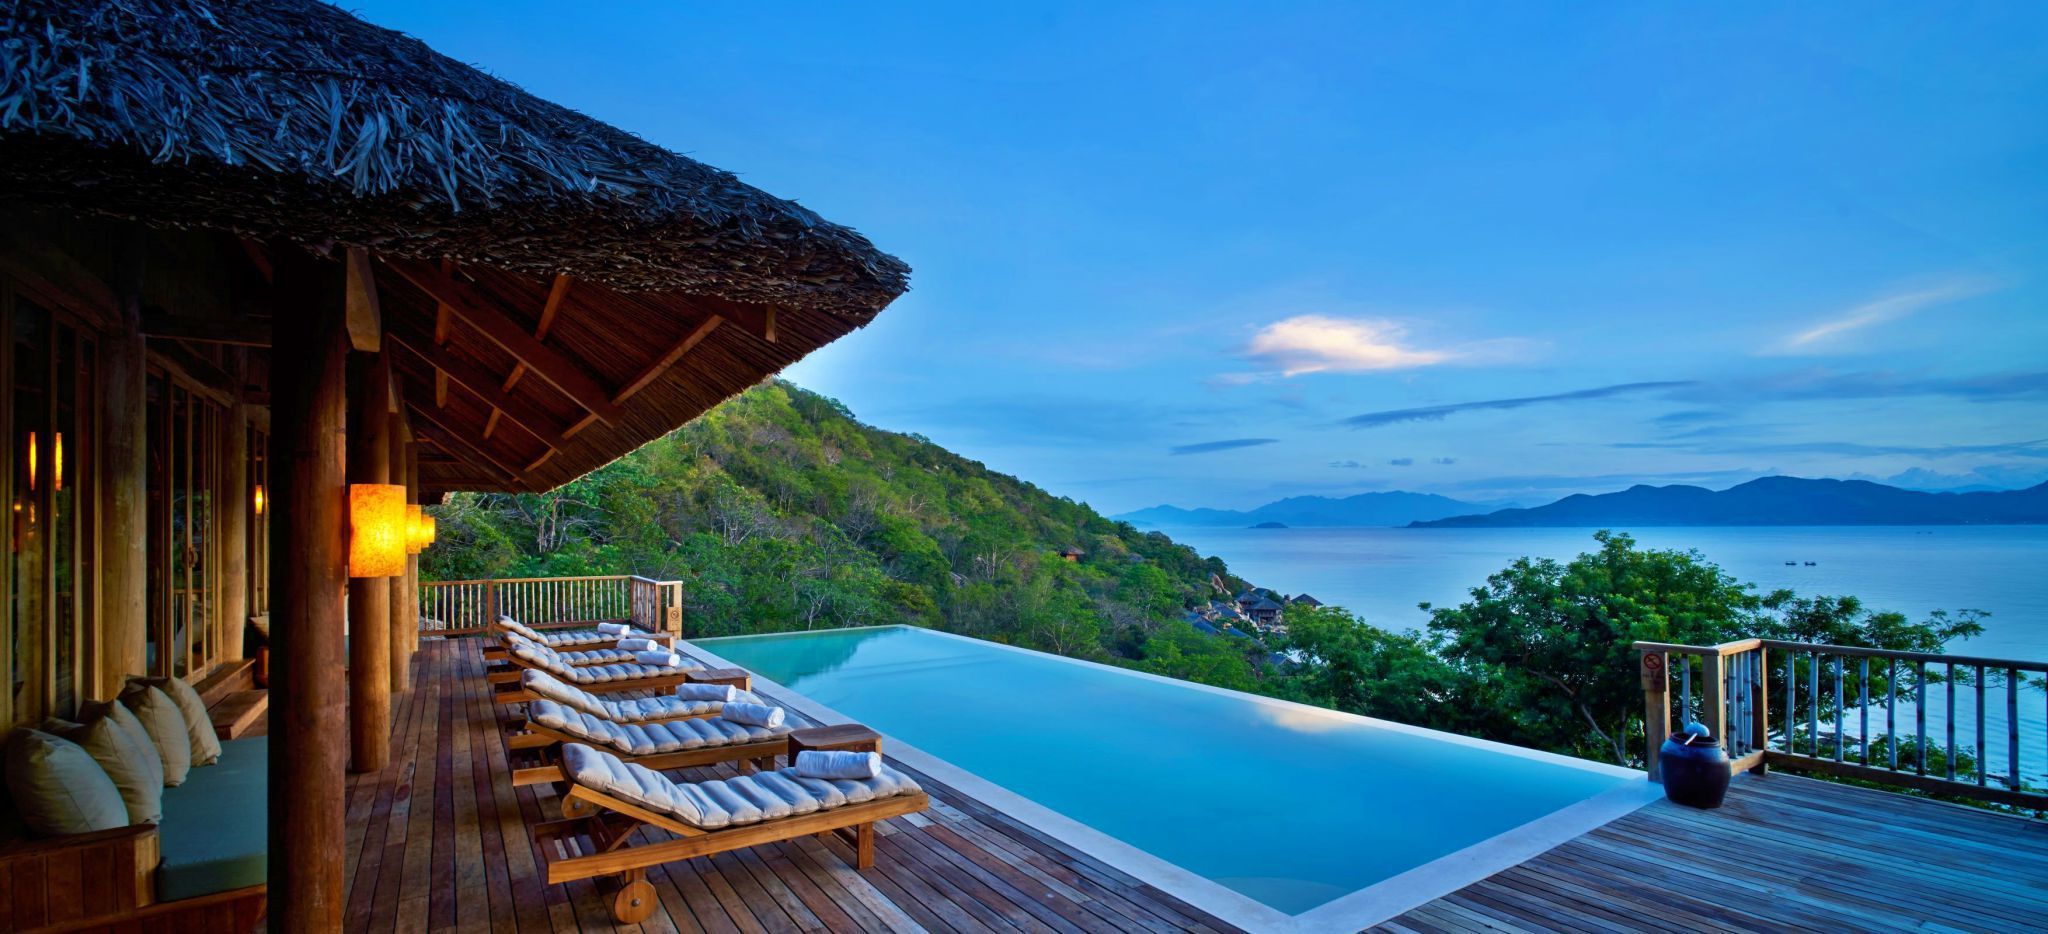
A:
(1218, 254)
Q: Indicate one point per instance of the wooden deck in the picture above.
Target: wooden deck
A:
(439, 841)
(1783, 853)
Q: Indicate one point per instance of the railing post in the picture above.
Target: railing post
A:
(1713, 701)
(1656, 710)
(490, 603)
(1760, 713)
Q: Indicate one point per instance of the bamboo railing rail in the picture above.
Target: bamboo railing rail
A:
(454, 608)
(1838, 712)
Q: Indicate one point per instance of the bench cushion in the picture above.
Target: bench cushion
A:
(215, 833)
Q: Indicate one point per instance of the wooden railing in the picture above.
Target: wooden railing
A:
(453, 608)
(1835, 709)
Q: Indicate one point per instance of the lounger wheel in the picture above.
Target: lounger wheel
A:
(634, 903)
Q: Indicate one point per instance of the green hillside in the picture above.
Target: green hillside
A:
(782, 511)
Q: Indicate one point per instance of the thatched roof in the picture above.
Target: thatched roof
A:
(660, 286)
(293, 118)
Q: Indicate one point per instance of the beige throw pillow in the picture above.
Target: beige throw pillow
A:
(166, 726)
(129, 761)
(57, 787)
(198, 724)
(152, 761)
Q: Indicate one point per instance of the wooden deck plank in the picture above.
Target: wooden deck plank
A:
(440, 840)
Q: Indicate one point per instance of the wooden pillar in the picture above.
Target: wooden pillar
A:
(1656, 709)
(234, 515)
(309, 580)
(124, 484)
(369, 598)
(412, 590)
(403, 619)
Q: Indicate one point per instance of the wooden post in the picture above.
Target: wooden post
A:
(1656, 710)
(369, 598)
(1760, 715)
(309, 579)
(124, 482)
(404, 620)
(1713, 696)
(412, 572)
(234, 516)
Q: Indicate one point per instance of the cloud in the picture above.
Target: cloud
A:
(1885, 384)
(2029, 449)
(1443, 461)
(1402, 462)
(1436, 413)
(1207, 447)
(1830, 335)
(1350, 464)
(1326, 344)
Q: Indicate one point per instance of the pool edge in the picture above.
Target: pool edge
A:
(1353, 911)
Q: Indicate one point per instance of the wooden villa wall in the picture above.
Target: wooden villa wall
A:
(204, 439)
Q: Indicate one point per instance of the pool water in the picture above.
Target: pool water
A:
(1291, 806)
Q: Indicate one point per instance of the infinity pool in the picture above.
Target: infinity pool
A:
(1291, 806)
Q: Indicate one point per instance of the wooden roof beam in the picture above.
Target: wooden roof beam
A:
(658, 367)
(451, 441)
(556, 292)
(468, 303)
(758, 320)
(479, 381)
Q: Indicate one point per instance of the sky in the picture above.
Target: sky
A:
(1218, 254)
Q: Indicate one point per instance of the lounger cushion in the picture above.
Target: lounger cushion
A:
(604, 656)
(623, 710)
(732, 802)
(216, 830)
(57, 788)
(562, 637)
(166, 725)
(646, 739)
(552, 661)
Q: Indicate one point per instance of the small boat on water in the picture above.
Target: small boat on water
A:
(1791, 564)
(1811, 563)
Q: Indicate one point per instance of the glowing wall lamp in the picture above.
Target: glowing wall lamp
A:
(377, 529)
(412, 529)
(259, 499)
(427, 529)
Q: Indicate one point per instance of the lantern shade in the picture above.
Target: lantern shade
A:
(413, 544)
(259, 499)
(428, 530)
(377, 529)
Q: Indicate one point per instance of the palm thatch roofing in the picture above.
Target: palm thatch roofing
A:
(294, 120)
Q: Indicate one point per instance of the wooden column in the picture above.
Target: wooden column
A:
(234, 515)
(404, 620)
(309, 580)
(124, 484)
(369, 598)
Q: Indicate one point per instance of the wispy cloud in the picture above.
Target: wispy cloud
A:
(2029, 449)
(1830, 335)
(1319, 343)
(1402, 462)
(1209, 447)
(1435, 413)
(1444, 461)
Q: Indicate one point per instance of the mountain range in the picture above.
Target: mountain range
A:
(1365, 509)
(1770, 501)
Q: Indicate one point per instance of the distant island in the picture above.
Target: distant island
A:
(1386, 509)
(1768, 501)
(1271, 525)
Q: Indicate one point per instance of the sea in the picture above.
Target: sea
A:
(1383, 573)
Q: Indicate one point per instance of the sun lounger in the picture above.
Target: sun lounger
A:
(659, 744)
(507, 671)
(559, 639)
(707, 817)
(606, 678)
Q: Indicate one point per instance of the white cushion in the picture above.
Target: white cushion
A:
(711, 805)
(617, 710)
(130, 762)
(646, 739)
(58, 789)
(198, 725)
(165, 723)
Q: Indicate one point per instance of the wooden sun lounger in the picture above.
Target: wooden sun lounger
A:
(495, 649)
(511, 692)
(601, 844)
(546, 744)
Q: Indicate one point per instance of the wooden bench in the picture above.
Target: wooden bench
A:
(106, 880)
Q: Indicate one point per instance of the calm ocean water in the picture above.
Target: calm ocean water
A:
(1381, 574)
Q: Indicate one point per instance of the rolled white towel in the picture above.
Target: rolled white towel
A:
(658, 659)
(838, 763)
(641, 645)
(614, 629)
(759, 715)
(724, 693)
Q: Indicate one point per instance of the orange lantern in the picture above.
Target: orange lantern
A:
(259, 499)
(428, 530)
(377, 529)
(412, 529)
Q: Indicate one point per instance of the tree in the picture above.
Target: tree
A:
(1342, 663)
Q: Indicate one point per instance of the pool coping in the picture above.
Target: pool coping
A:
(1376, 903)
